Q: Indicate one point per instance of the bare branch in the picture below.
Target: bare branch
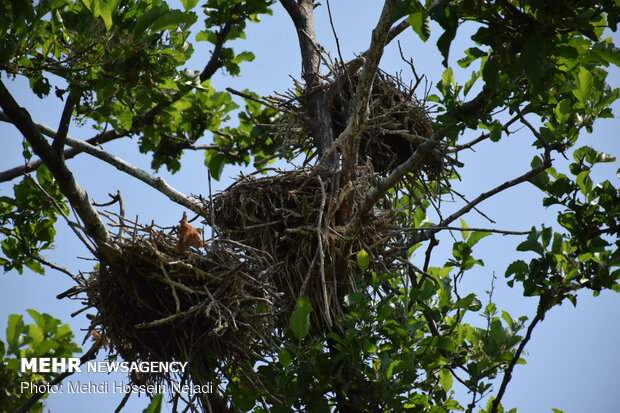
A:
(13, 173)
(480, 138)
(540, 315)
(123, 166)
(68, 185)
(497, 231)
(508, 184)
(65, 120)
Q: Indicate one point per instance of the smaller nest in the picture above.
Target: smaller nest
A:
(211, 309)
(398, 123)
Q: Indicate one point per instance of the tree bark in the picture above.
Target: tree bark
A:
(315, 97)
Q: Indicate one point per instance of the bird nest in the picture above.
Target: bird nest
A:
(206, 306)
(227, 302)
(398, 121)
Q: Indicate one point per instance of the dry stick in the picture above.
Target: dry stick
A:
(319, 234)
(498, 231)
(177, 303)
(508, 184)
(466, 201)
(90, 354)
(158, 183)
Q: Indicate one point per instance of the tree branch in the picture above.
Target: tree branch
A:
(123, 166)
(397, 174)
(214, 62)
(508, 184)
(13, 173)
(65, 120)
(78, 198)
(315, 99)
(540, 315)
(497, 231)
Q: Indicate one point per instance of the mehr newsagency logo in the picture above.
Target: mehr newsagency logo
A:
(73, 365)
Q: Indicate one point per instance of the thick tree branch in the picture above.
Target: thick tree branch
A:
(371, 65)
(397, 174)
(315, 99)
(358, 113)
(65, 179)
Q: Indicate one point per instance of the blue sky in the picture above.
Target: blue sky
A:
(573, 357)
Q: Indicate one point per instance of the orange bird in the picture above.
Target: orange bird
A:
(188, 235)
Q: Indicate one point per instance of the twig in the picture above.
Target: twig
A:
(508, 184)
(71, 224)
(65, 120)
(540, 315)
(321, 252)
(498, 231)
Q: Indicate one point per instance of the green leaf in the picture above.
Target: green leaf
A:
(155, 405)
(464, 234)
(189, 4)
(284, 357)
(531, 59)
(608, 51)
(421, 25)
(584, 80)
(106, 10)
(299, 322)
(369, 347)
(477, 236)
(562, 111)
(243, 57)
(445, 379)
(517, 267)
(215, 161)
(13, 332)
(172, 19)
(363, 259)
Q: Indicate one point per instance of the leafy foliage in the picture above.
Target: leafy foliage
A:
(408, 338)
(27, 220)
(47, 337)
